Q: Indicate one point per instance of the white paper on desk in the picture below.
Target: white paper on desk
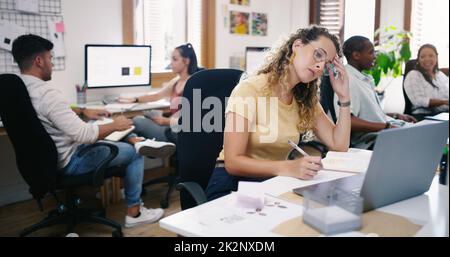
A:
(59, 50)
(274, 211)
(215, 219)
(280, 185)
(440, 117)
(30, 6)
(8, 33)
(355, 160)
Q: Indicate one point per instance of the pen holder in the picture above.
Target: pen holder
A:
(81, 97)
(335, 211)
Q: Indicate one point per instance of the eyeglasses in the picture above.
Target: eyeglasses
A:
(320, 55)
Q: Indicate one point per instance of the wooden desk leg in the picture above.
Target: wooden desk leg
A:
(116, 190)
(103, 195)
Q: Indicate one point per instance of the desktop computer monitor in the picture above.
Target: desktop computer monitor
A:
(254, 58)
(117, 65)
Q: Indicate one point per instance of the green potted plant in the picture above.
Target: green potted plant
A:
(392, 51)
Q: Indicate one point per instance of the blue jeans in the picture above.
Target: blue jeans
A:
(221, 183)
(149, 129)
(127, 157)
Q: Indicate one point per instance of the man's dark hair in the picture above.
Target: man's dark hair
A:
(354, 44)
(26, 47)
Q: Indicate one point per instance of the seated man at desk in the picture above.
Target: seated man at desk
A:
(71, 134)
(367, 116)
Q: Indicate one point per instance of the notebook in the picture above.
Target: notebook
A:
(354, 160)
(117, 135)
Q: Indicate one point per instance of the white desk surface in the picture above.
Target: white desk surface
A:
(163, 103)
(222, 218)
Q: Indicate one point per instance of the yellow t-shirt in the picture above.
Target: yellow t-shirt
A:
(270, 128)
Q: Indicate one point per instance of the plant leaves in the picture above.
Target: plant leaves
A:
(405, 52)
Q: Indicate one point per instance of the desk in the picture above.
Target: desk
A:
(431, 209)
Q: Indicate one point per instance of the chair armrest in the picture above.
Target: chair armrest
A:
(323, 149)
(307, 146)
(99, 173)
(194, 190)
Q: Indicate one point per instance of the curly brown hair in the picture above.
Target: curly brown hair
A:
(277, 67)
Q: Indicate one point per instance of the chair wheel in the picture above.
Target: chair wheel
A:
(117, 233)
(164, 204)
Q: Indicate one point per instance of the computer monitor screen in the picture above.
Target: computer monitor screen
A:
(117, 65)
(254, 58)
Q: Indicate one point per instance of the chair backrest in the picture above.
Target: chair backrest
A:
(409, 66)
(36, 154)
(198, 149)
(327, 97)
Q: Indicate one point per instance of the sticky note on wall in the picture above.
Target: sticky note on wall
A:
(137, 71)
(60, 27)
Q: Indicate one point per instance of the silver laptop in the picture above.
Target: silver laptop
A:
(403, 163)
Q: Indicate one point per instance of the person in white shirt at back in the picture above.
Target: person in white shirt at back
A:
(71, 134)
(427, 86)
(367, 116)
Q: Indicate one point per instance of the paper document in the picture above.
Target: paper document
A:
(441, 117)
(30, 6)
(54, 23)
(8, 33)
(117, 135)
(279, 185)
(355, 160)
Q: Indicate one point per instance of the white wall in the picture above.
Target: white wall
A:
(392, 14)
(283, 17)
(88, 22)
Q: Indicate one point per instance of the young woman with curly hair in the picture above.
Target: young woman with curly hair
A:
(278, 104)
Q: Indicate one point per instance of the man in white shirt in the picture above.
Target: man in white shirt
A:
(367, 115)
(71, 134)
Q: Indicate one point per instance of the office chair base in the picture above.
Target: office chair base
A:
(73, 217)
(171, 180)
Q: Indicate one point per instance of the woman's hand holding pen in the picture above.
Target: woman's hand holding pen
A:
(303, 168)
(340, 83)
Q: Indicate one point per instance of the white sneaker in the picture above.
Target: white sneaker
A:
(147, 216)
(155, 149)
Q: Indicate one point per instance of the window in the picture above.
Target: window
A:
(430, 25)
(359, 18)
(167, 24)
(329, 14)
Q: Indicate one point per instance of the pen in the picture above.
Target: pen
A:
(296, 147)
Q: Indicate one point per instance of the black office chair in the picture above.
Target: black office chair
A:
(36, 158)
(327, 97)
(198, 150)
(409, 66)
